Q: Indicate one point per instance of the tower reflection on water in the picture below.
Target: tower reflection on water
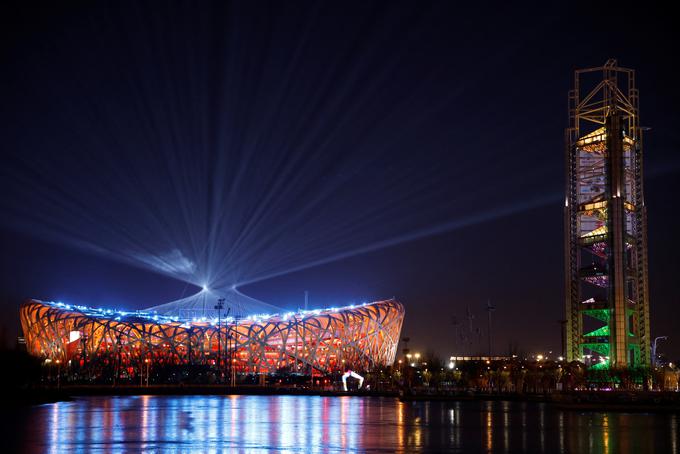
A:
(323, 424)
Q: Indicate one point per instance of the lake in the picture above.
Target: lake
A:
(327, 424)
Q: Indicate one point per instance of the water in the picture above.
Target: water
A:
(327, 424)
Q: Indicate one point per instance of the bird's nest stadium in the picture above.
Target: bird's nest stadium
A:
(120, 343)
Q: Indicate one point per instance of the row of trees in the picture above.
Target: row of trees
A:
(512, 375)
(515, 375)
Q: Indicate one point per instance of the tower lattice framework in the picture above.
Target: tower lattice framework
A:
(607, 296)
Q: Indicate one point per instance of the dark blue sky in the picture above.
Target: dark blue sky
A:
(229, 142)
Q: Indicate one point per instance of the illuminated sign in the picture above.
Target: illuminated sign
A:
(351, 373)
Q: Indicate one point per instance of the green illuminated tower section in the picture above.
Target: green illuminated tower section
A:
(607, 303)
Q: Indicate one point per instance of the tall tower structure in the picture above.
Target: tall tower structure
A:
(607, 302)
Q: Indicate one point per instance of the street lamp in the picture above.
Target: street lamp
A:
(146, 360)
(219, 306)
(58, 374)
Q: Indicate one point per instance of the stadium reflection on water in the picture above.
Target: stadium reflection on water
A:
(326, 424)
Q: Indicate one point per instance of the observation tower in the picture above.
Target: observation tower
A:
(607, 293)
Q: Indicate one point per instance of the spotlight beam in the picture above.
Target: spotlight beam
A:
(432, 231)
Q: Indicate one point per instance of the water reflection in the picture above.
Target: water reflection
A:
(489, 425)
(327, 424)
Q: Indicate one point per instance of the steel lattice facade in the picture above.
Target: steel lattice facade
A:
(325, 341)
(607, 296)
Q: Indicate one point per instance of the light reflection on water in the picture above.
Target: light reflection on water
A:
(331, 424)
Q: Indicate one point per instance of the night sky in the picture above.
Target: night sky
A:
(358, 151)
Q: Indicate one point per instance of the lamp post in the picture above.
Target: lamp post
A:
(563, 335)
(234, 348)
(229, 355)
(406, 341)
(219, 306)
(489, 309)
(654, 359)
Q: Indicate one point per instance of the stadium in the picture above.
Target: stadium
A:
(122, 344)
